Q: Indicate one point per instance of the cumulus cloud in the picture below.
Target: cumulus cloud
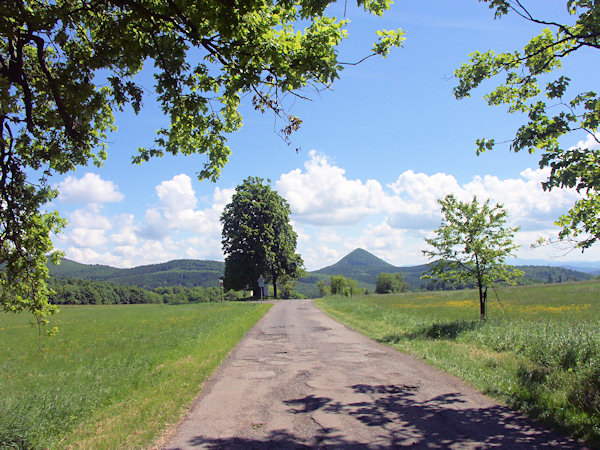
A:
(124, 240)
(88, 189)
(177, 194)
(149, 252)
(331, 213)
(86, 237)
(392, 221)
(127, 232)
(323, 195)
(591, 142)
(177, 208)
(89, 218)
(203, 247)
(154, 227)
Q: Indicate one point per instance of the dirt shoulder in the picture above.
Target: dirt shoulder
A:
(299, 379)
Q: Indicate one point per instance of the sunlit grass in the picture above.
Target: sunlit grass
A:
(114, 376)
(538, 350)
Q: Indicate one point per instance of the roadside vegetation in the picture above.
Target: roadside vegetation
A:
(115, 376)
(91, 292)
(538, 351)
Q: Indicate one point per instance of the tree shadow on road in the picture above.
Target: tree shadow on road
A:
(279, 439)
(404, 420)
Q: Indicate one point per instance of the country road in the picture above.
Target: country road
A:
(299, 379)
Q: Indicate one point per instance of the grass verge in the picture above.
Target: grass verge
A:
(115, 376)
(538, 352)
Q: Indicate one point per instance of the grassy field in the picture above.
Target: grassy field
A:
(114, 376)
(539, 352)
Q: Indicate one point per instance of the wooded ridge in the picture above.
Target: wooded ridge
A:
(359, 264)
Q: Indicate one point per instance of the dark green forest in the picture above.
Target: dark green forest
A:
(92, 292)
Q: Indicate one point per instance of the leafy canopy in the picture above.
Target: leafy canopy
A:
(67, 65)
(340, 285)
(390, 283)
(530, 88)
(471, 245)
(258, 238)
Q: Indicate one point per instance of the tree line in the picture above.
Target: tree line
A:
(89, 292)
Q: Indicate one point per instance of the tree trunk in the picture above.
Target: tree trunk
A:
(481, 301)
(274, 276)
(480, 287)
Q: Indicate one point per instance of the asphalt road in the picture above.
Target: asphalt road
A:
(299, 379)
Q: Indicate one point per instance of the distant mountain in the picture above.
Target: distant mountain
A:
(181, 272)
(591, 267)
(358, 264)
(68, 269)
(551, 274)
(364, 267)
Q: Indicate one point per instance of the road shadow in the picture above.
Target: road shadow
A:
(279, 439)
(439, 422)
(445, 330)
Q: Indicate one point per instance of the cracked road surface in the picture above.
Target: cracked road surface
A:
(299, 379)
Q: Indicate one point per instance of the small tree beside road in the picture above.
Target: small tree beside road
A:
(340, 285)
(471, 246)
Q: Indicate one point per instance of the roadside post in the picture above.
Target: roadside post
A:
(221, 285)
(261, 285)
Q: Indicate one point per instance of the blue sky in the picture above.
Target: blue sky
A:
(375, 152)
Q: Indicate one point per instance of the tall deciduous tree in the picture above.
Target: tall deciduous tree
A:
(551, 114)
(471, 246)
(258, 238)
(67, 65)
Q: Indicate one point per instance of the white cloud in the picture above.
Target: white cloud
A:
(590, 142)
(149, 252)
(88, 189)
(90, 256)
(323, 195)
(178, 211)
(177, 194)
(127, 232)
(203, 247)
(154, 227)
(89, 218)
(331, 214)
(318, 257)
(323, 198)
(171, 228)
(85, 237)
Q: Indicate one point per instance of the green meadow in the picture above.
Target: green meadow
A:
(114, 376)
(538, 351)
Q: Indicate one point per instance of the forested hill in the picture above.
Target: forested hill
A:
(364, 267)
(181, 272)
(359, 265)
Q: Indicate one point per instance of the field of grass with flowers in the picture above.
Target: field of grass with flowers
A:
(115, 376)
(538, 350)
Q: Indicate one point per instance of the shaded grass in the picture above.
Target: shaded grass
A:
(539, 352)
(115, 376)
